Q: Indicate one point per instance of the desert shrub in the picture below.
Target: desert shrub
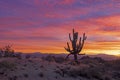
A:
(93, 73)
(7, 51)
(41, 66)
(87, 59)
(89, 73)
(36, 68)
(25, 75)
(72, 73)
(41, 74)
(6, 64)
(99, 59)
(59, 59)
(29, 60)
(12, 78)
(116, 75)
(114, 65)
(62, 70)
(49, 58)
(27, 56)
(56, 77)
(25, 65)
(18, 55)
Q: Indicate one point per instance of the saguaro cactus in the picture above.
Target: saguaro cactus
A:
(76, 47)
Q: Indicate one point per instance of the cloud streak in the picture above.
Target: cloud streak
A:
(43, 25)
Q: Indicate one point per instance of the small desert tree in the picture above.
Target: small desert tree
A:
(7, 51)
(76, 47)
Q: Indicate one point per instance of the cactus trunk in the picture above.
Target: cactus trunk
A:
(75, 58)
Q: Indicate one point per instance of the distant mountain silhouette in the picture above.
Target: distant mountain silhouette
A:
(39, 54)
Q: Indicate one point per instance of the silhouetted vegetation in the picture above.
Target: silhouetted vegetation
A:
(26, 75)
(7, 51)
(41, 74)
(76, 48)
(51, 58)
(27, 56)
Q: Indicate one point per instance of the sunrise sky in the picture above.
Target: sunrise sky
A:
(44, 25)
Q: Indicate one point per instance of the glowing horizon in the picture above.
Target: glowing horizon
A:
(43, 26)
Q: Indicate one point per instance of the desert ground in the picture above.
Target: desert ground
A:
(56, 68)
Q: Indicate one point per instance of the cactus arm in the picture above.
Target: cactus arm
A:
(82, 43)
(67, 56)
(84, 37)
(70, 37)
(68, 47)
(73, 34)
(73, 31)
(79, 43)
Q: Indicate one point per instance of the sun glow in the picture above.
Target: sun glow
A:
(43, 26)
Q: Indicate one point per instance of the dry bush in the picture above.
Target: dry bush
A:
(25, 75)
(6, 64)
(27, 56)
(41, 74)
(114, 65)
(6, 51)
(86, 73)
(62, 70)
(49, 58)
(18, 55)
(89, 60)
(59, 59)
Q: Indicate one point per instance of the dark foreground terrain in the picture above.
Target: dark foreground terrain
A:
(56, 68)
